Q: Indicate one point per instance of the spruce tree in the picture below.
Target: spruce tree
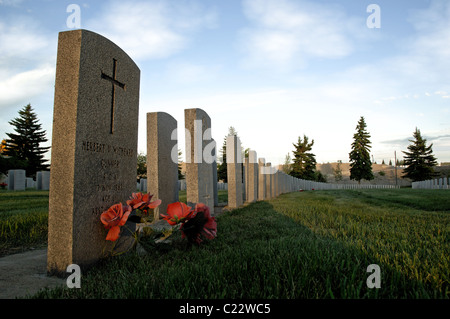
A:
(304, 163)
(419, 160)
(23, 146)
(360, 164)
(222, 167)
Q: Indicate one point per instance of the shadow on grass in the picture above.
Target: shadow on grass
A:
(259, 253)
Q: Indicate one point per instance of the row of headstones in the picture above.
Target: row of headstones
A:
(94, 148)
(94, 151)
(18, 181)
(261, 181)
(437, 183)
(142, 185)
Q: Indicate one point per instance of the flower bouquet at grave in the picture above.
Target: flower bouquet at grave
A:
(3, 185)
(194, 224)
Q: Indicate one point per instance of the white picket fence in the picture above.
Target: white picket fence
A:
(437, 183)
(311, 185)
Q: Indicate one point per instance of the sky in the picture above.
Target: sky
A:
(275, 70)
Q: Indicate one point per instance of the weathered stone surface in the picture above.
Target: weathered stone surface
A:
(16, 179)
(269, 180)
(94, 145)
(45, 180)
(199, 158)
(234, 171)
(261, 179)
(162, 159)
(252, 177)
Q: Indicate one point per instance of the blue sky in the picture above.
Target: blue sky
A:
(273, 69)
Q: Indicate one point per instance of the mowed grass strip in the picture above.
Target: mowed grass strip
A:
(404, 231)
(300, 245)
(23, 220)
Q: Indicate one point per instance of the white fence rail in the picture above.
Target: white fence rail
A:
(437, 183)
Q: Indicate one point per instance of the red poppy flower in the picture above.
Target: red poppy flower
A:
(202, 225)
(177, 213)
(113, 218)
(142, 201)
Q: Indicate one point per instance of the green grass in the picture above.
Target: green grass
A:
(23, 220)
(299, 245)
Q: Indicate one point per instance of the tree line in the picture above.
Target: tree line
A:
(419, 160)
(22, 150)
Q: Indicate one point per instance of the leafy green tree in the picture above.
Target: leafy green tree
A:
(24, 145)
(304, 162)
(420, 160)
(141, 166)
(319, 177)
(2, 146)
(287, 166)
(360, 164)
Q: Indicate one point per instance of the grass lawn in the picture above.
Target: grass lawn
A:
(299, 245)
(23, 220)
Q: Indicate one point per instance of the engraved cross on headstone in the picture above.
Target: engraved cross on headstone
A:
(114, 82)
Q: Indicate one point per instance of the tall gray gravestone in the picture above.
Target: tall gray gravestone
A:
(215, 180)
(45, 180)
(252, 189)
(94, 145)
(162, 159)
(269, 177)
(261, 179)
(38, 180)
(16, 179)
(234, 171)
(200, 148)
(10, 180)
(245, 168)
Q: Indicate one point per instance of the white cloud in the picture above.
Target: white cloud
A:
(27, 61)
(287, 33)
(148, 30)
(21, 88)
(21, 39)
(12, 3)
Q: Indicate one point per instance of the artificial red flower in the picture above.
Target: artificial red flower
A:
(201, 225)
(142, 201)
(177, 213)
(113, 218)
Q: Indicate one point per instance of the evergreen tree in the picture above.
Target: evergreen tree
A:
(2, 146)
(360, 164)
(222, 167)
(23, 146)
(304, 163)
(419, 160)
(180, 160)
(338, 171)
